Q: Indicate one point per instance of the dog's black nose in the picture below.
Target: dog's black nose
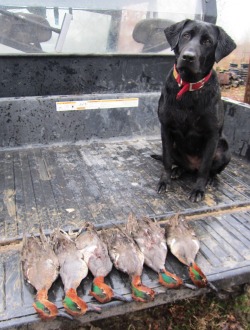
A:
(188, 56)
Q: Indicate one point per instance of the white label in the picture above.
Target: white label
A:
(97, 104)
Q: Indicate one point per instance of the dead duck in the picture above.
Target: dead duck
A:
(127, 258)
(150, 238)
(95, 253)
(73, 269)
(184, 245)
(41, 268)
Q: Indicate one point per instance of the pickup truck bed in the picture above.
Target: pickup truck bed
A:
(51, 178)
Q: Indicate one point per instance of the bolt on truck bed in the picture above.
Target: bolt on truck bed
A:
(61, 165)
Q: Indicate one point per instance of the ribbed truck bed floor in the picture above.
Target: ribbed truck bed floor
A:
(102, 182)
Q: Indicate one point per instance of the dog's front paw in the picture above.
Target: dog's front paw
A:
(162, 187)
(163, 183)
(197, 195)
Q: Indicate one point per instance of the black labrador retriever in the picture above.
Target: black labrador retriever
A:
(190, 109)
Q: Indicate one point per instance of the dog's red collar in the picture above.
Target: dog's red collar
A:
(186, 86)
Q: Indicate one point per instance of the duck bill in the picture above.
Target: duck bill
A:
(65, 315)
(120, 297)
(211, 286)
(197, 276)
(169, 280)
(190, 286)
(140, 292)
(93, 308)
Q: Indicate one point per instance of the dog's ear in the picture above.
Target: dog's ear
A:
(173, 32)
(225, 45)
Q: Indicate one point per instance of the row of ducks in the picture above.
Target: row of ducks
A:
(140, 242)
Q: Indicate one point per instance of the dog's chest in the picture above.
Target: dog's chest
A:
(186, 122)
(188, 133)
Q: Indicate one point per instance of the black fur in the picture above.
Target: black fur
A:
(191, 127)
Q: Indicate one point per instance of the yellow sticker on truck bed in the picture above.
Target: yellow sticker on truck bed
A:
(97, 104)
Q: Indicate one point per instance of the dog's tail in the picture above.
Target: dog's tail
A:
(157, 157)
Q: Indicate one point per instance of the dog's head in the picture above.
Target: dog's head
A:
(197, 46)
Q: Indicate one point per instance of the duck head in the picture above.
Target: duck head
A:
(197, 276)
(45, 309)
(75, 306)
(102, 292)
(141, 292)
(169, 280)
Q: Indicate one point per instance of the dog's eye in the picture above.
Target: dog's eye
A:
(186, 36)
(206, 42)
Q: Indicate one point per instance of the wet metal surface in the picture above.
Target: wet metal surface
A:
(101, 183)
